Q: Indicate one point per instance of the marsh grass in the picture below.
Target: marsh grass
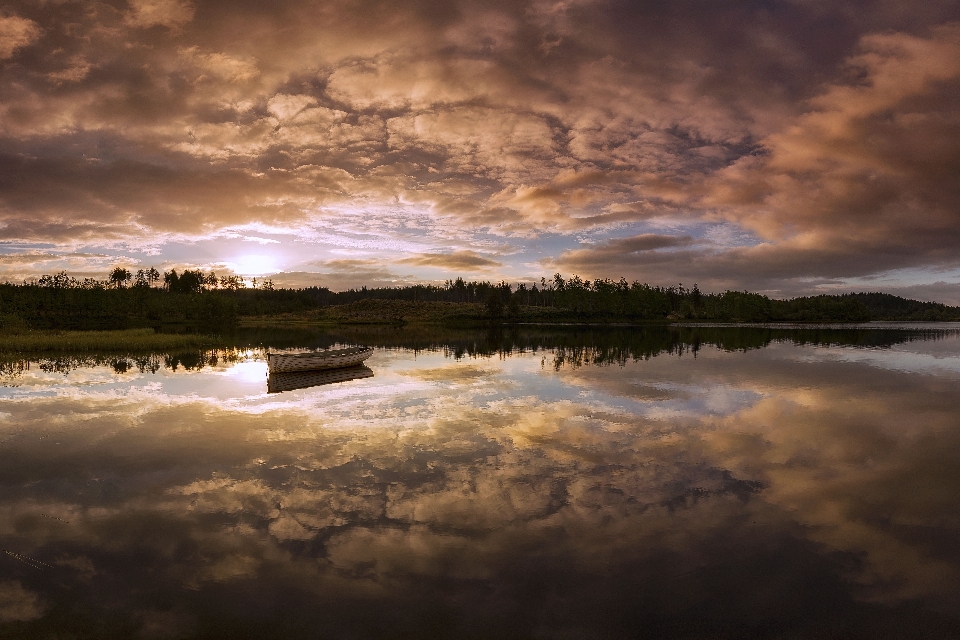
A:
(125, 340)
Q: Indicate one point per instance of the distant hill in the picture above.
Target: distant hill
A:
(883, 306)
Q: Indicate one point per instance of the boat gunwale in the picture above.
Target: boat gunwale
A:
(317, 360)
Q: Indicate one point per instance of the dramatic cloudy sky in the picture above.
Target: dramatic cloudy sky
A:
(786, 146)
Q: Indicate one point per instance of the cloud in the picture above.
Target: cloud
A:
(623, 256)
(410, 82)
(76, 70)
(458, 260)
(19, 266)
(16, 32)
(645, 242)
(167, 13)
(868, 172)
(481, 141)
(862, 183)
(342, 274)
(224, 66)
(18, 604)
(68, 199)
(777, 269)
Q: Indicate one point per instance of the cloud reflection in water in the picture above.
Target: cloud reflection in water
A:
(772, 491)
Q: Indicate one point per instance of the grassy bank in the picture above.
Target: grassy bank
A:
(381, 312)
(125, 340)
(453, 315)
(437, 314)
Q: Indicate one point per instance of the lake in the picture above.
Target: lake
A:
(720, 482)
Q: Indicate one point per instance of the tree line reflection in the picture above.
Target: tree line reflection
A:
(599, 345)
(194, 360)
(573, 346)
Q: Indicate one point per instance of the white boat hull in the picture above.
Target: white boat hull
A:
(317, 360)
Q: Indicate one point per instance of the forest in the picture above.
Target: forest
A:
(193, 299)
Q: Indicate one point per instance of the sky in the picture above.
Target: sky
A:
(783, 146)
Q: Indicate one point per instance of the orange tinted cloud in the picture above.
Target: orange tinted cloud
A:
(16, 32)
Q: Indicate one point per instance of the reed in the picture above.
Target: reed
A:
(126, 340)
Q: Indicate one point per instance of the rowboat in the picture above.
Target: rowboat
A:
(317, 360)
(292, 380)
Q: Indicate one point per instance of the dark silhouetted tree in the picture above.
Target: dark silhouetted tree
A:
(119, 277)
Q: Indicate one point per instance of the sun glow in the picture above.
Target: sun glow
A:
(249, 371)
(254, 265)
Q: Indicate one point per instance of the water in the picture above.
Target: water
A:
(683, 482)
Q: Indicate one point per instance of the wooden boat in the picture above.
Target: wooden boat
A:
(317, 360)
(291, 380)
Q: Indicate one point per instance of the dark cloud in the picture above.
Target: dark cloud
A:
(456, 261)
(645, 242)
(768, 267)
(18, 604)
(73, 199)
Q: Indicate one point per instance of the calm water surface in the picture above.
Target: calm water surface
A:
(713, 482)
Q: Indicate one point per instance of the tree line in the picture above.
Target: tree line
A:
(605, 299)
(194, 298)
(189, 281)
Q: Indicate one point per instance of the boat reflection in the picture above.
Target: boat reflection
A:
(291, 380)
